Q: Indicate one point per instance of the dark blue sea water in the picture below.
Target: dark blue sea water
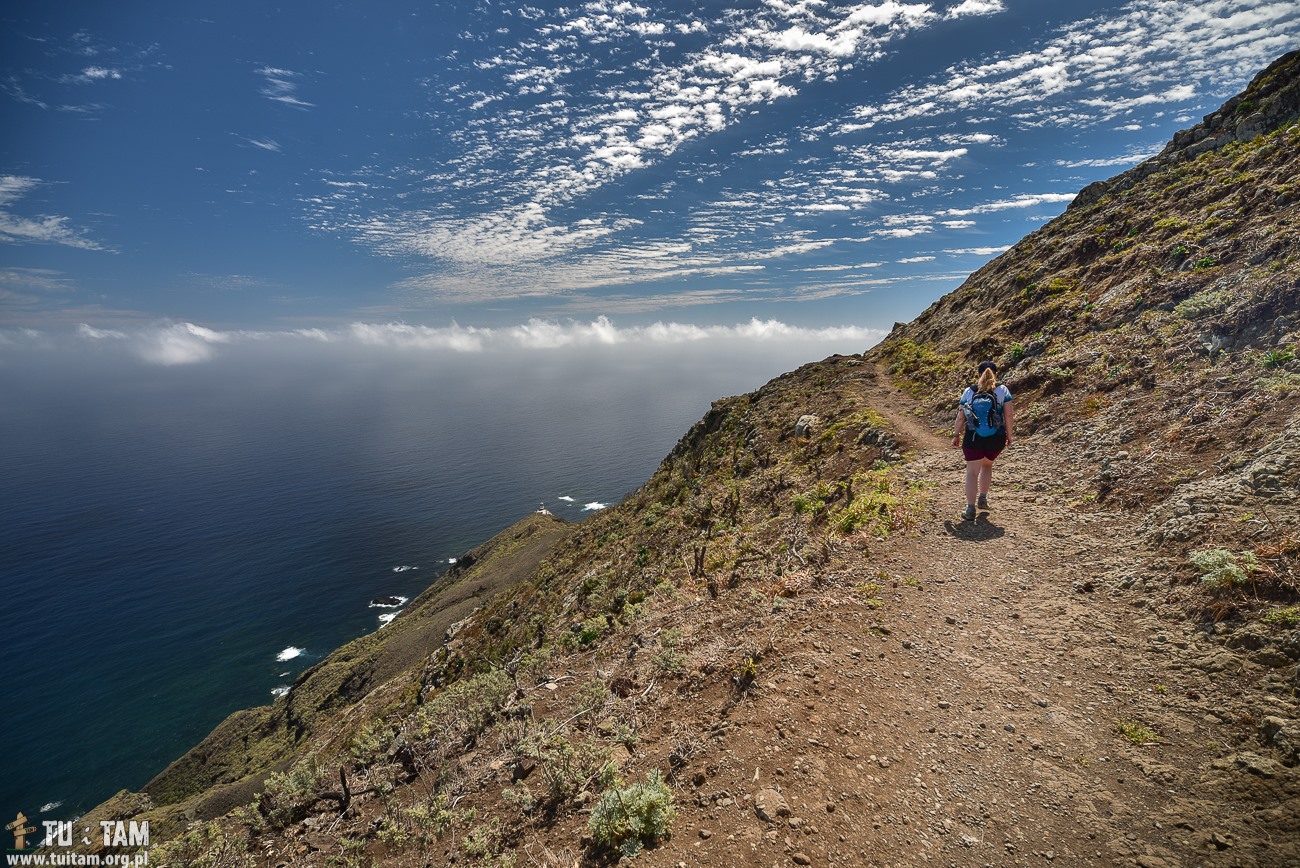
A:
(167, 534)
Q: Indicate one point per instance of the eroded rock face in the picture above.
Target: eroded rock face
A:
(1271, 478)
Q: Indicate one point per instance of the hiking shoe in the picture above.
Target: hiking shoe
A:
(983, 502)
(969, 514)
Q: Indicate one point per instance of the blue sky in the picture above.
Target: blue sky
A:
(208, 170)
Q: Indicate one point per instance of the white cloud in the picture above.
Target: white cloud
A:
(92, 74)
(566, 151)
(265, 144)
(1025, 200)
(974, 7)
(1131, 157)
(911, 259)
(39, 279)
(171, 344)
(43, 229)
(1149, 53)
(168, 345)
(281, 85)
(979, 251)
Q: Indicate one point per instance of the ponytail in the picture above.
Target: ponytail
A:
(988, 380)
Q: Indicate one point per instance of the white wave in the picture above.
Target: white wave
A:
(451, 560)
(401, 601)
(279, 691)
(593, 506)
(386, 618)
(288, 653)
(403, 569)
(565, 498)
(283, 675)
(50, 806)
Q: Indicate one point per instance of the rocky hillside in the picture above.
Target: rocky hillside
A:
(1153, 327)
(786, 648)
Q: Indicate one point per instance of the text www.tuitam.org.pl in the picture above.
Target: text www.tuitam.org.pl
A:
(60, 834)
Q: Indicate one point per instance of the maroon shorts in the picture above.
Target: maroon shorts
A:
(977, 448)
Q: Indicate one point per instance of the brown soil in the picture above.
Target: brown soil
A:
(956, 695)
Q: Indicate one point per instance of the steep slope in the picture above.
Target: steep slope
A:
(1153, 328)
(229, 767)
(787, 649)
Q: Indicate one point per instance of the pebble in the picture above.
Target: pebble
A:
(706, 834)
(801, 859)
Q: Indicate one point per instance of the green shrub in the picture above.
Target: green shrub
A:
(1222, 568)
(631, 818)
(592, 628)
(1203, 303)
(567, 768)
(288, 796)
(1277, 358)
(1285, 616)
(420, 823)
(1136, 732)
(458, 715)
(207, 846)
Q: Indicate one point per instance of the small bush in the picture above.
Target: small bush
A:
(1222, 568)
(1136, 732)
(1285, 616)
(457, 716)
(420, 823)
(630, 818)
(1276, 358)
(207, 846)
(287, 797)
(591, 629)
(567, 768)
(1202, 304)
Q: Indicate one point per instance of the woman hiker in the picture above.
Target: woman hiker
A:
(983, 428)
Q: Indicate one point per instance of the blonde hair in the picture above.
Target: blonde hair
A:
(988, 380)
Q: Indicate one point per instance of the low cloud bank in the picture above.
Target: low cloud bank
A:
(171, 344)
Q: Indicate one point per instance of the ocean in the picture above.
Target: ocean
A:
(180, 541)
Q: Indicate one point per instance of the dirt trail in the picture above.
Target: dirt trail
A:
(996, 692)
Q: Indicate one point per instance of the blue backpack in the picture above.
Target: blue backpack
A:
(984, 414)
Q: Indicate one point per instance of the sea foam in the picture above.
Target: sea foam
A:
(565, 498)
(593, 506)
(279, 691)
(288, 653)
(386, 618)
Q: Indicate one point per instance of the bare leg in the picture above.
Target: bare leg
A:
(972, 480)
(985, 478)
